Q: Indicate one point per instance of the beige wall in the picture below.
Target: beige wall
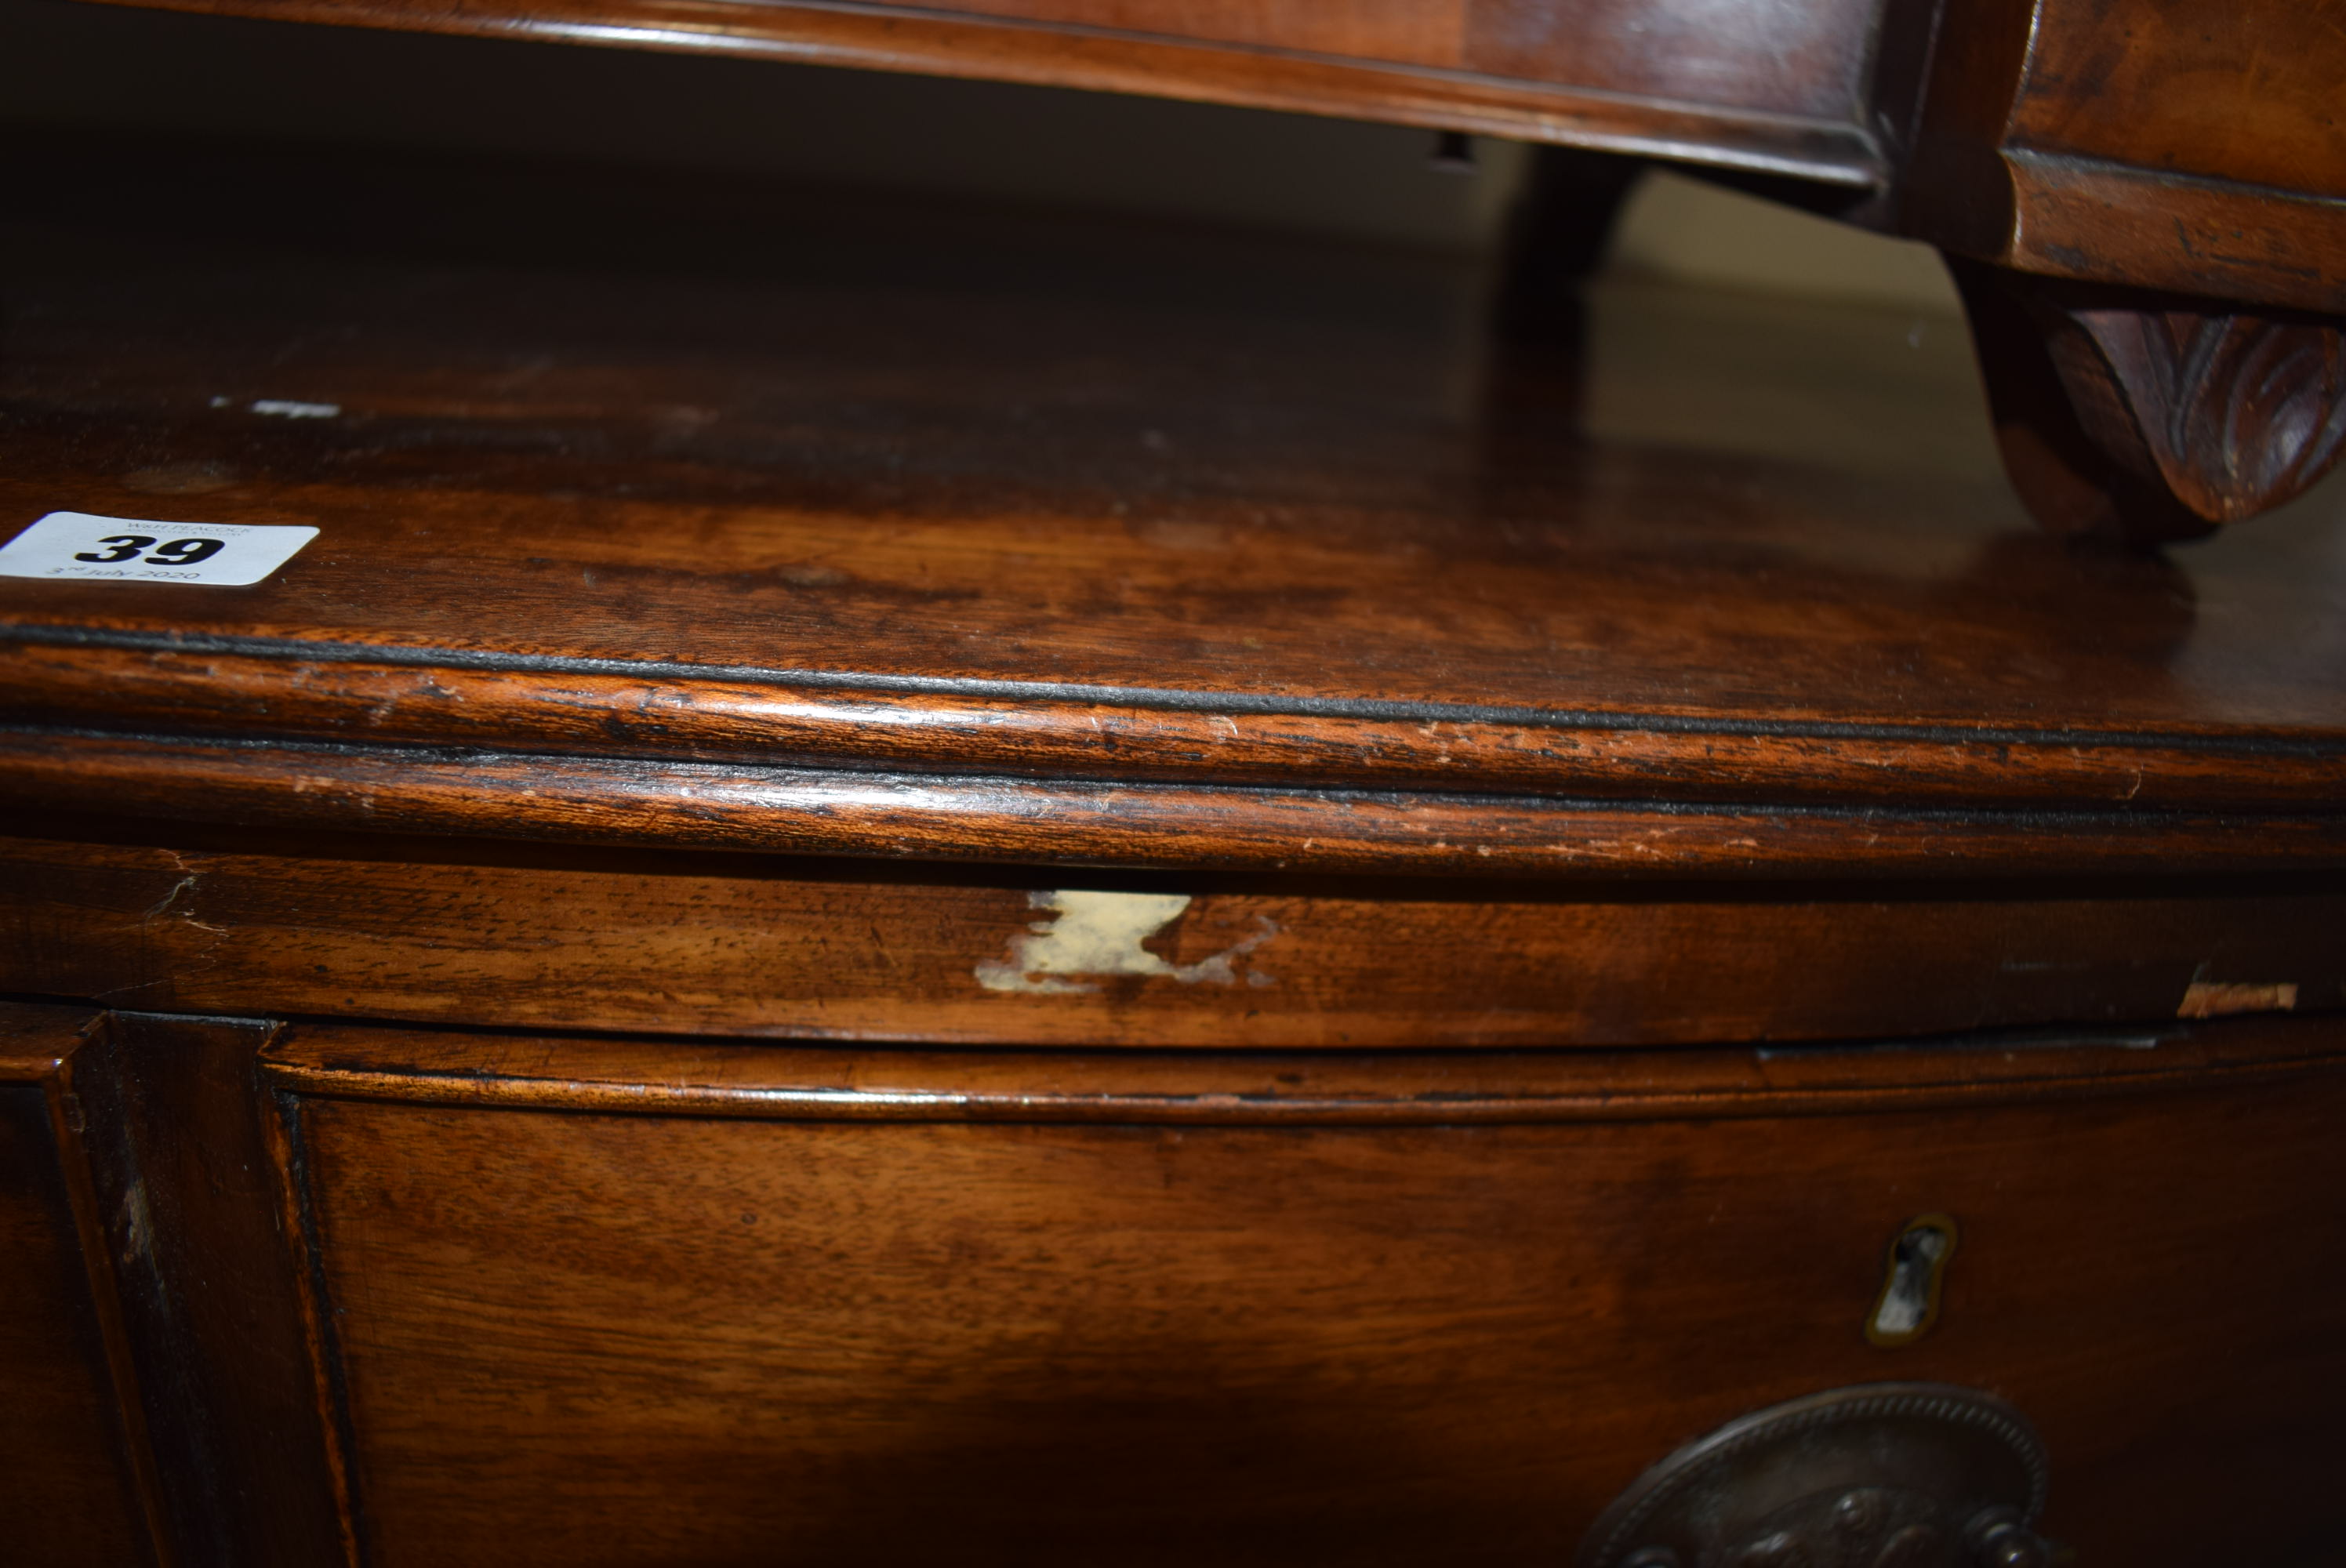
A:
(1724, 322)
(1684, 231)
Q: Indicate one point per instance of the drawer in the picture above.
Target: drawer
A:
(602, 1300)
(548, 937)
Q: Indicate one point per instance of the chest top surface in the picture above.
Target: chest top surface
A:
(602, 471)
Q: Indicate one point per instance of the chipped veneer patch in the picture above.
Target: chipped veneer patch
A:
(1092, 935)
(2206, 999)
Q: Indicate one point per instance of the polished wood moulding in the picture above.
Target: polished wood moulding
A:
(689, 806)
(292, 690)
(666, 1078)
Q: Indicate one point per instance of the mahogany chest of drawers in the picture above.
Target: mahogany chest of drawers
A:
(895, 882)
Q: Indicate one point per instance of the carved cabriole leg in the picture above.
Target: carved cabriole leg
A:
(2153, 418)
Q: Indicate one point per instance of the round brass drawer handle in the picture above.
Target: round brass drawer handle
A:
(1881, 1475)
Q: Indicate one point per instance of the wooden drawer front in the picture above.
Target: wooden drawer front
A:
(560, 939)
(607, 1302)
(67, 1489)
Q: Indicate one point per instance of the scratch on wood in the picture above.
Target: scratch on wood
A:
(170, 902)
(155, 910)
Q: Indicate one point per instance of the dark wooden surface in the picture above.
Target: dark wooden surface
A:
(718, 944)
(2175, 143)
(609, 1299)
(1058, 502)
(74, 1486)
(1059, 453)
(1249, 1217)
(2189, 148)
(2165, 144)
(1782, 86)
(1085, 824)
(208, 1277)
(2246, 93)
(592, 1324)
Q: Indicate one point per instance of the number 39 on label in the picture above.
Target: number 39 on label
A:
(77, 545)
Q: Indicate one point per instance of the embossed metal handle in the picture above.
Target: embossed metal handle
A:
(1999, 1538)
(1885, 1475)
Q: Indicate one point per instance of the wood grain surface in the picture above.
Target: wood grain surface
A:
(636, 708)
(2170, 144)
(1807, 57)
(1049, 822)
(2107, 222)
(686, 554)
(570, 1335)
(2246, 93)
(1779, 87)
(1416, 32)
(76, 1484)
(1032, 499)
(2161, 144)
(192, 1201)
(727, 945)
